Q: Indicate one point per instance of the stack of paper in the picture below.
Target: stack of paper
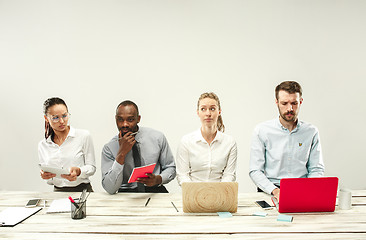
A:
(60, 206)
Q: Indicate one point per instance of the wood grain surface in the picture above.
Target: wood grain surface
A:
(210, 197)
(124, 216)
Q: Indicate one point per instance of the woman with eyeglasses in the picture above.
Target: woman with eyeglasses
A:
(207, 154)
(65, 147)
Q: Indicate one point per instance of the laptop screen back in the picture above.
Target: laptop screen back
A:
(308, 194)
(206, 197)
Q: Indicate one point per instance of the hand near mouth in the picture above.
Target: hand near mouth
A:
(126, 142)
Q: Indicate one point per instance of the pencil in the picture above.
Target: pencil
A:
(175, 207)
(147, 202)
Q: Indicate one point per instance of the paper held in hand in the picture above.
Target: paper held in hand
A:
(140, 172)
(55, 170)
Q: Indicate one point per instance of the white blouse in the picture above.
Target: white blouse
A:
(76, 151)
(198, 161)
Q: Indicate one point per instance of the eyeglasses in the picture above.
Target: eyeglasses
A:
(56, 118)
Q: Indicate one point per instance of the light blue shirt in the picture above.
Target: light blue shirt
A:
(154, 148)
(277, 153)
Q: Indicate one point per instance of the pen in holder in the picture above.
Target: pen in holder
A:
(78, 210)
(78, 206)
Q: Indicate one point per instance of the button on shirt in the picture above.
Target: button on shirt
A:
(154, 148)
(76, 151)
(198, 161)
(277, 153)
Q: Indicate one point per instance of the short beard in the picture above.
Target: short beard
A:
(293, 119)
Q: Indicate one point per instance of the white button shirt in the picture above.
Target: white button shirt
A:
(198, 161)
(76, 151)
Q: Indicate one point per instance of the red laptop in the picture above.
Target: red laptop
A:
(307, 195)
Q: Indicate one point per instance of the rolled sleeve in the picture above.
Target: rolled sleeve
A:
(257, 162)
(111, 171)
(89, 158)
(229, 174)
(182, 163)
(167, 163)
(315, 164)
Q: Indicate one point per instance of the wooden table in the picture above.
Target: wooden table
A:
(124, 216)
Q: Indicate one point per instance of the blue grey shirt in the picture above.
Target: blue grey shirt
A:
(154, 148)
(277, 153)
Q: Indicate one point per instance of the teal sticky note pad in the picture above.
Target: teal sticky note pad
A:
(260, 214)
(284, 218)
(224, 214)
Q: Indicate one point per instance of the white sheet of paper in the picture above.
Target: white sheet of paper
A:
(60, 206)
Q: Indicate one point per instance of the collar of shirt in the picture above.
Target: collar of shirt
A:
(138, 135)
(199, 138)
(71, 134)
(298, 125)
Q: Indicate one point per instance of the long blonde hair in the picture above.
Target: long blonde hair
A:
(220, 123)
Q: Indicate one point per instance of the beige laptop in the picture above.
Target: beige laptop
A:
(210, 197)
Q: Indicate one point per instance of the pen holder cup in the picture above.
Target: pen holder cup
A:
(78, 212)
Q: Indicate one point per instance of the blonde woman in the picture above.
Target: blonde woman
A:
(207, 154)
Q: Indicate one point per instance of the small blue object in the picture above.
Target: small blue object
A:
(224, 214)
(284, 218)
(260, 214)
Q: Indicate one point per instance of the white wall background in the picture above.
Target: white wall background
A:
(163, 54)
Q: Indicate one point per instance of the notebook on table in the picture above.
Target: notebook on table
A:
(307, 195)
(210, 197)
